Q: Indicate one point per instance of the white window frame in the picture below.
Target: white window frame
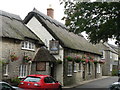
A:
(98, 68)
(69, 73)
(89, 68)
(75, 67)
(80, 68)
(28, 45)
(111, 66)
(103, 54)
(23, 71)
(6, 70)
(110, 54)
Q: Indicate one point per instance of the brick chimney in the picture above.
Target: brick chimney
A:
(50, 12)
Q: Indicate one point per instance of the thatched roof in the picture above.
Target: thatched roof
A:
(44, 55)
(107, 47)
(59, 31)
(13, 27)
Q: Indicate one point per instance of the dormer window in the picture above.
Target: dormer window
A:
(28, 45)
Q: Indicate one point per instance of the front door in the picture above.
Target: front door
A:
(52, 69)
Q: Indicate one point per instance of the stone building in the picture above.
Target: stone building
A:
(110, 56)
(80, 60)
(18, 47)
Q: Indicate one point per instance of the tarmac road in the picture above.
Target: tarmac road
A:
(101, 83)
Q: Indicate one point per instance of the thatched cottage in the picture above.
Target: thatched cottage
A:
(77, 59)
(18, 46)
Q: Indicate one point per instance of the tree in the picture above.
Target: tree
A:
(100, 20)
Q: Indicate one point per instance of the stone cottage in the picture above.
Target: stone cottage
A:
(110, 56)
(76, 58)
(18, 46)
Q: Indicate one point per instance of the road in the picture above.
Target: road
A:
(101, 83)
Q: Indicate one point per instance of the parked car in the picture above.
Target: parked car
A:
(115, 85)
(6, 86)
(38, 81)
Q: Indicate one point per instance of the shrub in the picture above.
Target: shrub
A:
(15, 81)
(114, 72)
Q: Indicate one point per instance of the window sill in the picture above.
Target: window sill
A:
(28, 49)
(6, 75)
(69, 75)
(75, 71)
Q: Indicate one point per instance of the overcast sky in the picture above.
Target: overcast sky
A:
(23, 7)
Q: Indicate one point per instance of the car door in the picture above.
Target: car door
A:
(50, 83)
(55, 83)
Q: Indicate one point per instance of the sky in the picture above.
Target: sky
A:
(23, 7)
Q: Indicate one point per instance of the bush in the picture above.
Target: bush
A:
(114, 72)
(15, 81)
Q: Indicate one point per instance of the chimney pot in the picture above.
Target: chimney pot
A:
(50, 12)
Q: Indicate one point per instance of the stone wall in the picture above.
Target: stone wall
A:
(79, 75)
(10, 46)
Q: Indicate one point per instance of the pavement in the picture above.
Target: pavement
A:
(84, 82)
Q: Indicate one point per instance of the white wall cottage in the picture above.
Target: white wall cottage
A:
(45, 36)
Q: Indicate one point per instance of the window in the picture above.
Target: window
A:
(32, 79)
(103, 55)
(110, 67)
(28, 45)
(69, 69)
(98, 68)
(110, 54)
(23, 71)
(75, 67)
(89, 69)
(79, 67)
(41, 66)
(6, 70)
(49, 80)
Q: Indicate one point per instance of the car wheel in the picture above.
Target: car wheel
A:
(60, 88)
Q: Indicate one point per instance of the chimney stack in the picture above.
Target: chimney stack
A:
(50, 12)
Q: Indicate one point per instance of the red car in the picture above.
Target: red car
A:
(39, 82)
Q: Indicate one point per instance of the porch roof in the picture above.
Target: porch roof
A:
(44, 55)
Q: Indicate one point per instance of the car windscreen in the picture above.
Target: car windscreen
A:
(32, 79)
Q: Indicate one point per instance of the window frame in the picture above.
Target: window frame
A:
(70, 69)
(103, 55)
(6, 69)
(27, 45)
(23, 71)
(43, 66)
(75, 67)
(89, 68)
(80, 67)
(53, 81)
(98, 68)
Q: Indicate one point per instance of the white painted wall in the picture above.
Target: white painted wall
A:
(45, 36)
